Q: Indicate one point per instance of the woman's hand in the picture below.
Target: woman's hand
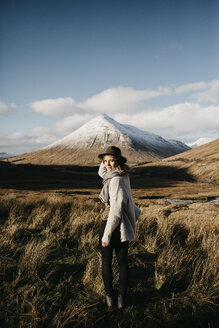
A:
(104, 244)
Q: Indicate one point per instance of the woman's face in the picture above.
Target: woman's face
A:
(109, 162)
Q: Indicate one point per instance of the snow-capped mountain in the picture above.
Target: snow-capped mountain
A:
(82, 146)
(103, 131)
(199, 142)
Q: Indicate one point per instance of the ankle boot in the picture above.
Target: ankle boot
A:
(109, 300)
(121, 301)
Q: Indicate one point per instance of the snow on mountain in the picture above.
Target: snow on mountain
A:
(103, 131)
(82, 146)
(199, 142)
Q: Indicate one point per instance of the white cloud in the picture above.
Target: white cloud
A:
(191, 87)
(37, 138)
(209, 95)
(176, 120)
(18, 143)
(5, 109)
(107, 101)
(71, 123)
(120, 99)
(55, 107)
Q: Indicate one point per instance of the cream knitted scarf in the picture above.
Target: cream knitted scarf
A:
(104, 194)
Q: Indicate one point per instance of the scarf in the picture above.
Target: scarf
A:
(104, 194)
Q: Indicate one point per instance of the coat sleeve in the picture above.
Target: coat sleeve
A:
(118, 199)
(102, 170)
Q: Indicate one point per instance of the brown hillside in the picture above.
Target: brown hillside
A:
(209, 151)
(202, 162)
(79, 156)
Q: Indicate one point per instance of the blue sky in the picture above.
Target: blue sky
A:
(151, 63)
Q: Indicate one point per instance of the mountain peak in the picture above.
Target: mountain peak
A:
(83, 145)
(103, 118)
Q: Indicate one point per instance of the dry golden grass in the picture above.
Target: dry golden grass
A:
(51, 266)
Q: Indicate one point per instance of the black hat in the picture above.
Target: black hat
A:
(115, 151)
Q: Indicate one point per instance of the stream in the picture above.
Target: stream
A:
(210, 200)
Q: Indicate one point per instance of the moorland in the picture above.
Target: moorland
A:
(50, 262)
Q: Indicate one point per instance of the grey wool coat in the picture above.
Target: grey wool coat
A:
(122, 211)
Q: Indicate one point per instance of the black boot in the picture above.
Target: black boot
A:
(121, 301)
(109, 301)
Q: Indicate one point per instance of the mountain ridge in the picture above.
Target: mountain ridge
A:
(82, 146)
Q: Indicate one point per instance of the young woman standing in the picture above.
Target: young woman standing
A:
(119, 221)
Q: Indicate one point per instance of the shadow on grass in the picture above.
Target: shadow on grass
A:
(142, 272)
(41, 177)
(159, 176)
(47, 177)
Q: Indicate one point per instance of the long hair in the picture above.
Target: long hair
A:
(123, 169)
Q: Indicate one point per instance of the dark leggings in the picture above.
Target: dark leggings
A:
(121, 249)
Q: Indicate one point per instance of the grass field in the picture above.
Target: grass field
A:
(51, 267)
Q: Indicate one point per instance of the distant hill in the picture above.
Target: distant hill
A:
(82, 146)
(201, 163)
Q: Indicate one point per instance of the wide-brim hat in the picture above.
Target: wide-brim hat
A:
(114, 151)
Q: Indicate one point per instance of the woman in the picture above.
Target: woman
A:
(119, 221)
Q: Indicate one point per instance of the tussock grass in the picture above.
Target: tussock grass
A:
(51, 266)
